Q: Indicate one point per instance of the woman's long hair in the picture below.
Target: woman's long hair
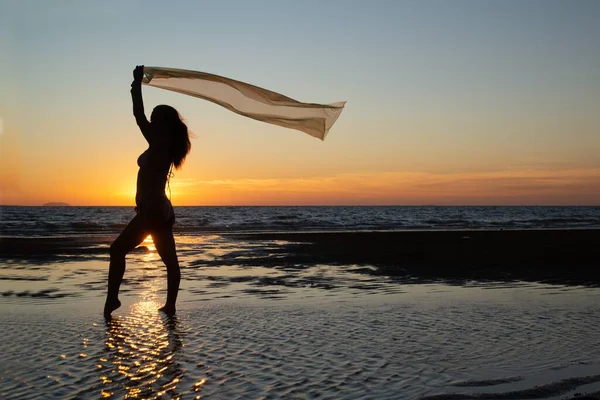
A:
(181, 145)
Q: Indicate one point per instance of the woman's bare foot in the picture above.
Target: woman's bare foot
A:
(110, 306)
(169, 310)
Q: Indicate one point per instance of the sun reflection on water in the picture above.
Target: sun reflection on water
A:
(152, 254)
(149, 243)
(142, 354)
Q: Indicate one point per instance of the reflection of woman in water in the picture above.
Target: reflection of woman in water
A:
(169, 144)
(151, 358)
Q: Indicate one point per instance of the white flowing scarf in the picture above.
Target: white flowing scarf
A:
(248, 100)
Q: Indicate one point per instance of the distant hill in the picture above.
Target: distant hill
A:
(56, 204)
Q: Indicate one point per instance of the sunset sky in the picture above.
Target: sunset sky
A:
(449, 102)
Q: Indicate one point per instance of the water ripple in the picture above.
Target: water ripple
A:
(219, 350)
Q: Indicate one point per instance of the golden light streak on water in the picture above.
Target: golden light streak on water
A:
(198, 385)
(141, 351)
(149, 243)
(144, 308)
(152, 254)
(133, 393)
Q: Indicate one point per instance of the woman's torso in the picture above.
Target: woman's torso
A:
(154, 166)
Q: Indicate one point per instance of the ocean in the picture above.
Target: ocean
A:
(65, 221)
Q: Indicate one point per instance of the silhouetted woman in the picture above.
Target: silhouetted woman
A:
(169, 144)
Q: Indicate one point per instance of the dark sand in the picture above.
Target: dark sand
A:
(561, 256)
(31, 248)
(550, 256)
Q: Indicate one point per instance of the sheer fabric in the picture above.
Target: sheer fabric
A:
(248, 100)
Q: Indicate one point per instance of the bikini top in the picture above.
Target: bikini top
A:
(143, 159)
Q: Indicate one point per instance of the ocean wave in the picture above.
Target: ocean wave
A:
(87, 226)
(286, 217)
(23, 221)
(562, 221)
(445, 222)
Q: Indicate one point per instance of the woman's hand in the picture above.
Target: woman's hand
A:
(138, 73)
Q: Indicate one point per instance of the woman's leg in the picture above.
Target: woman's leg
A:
(132, 235)
(165, 245)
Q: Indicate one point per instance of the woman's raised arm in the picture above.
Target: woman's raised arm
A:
(138, 102)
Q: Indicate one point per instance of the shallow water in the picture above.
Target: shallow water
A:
(275, 330)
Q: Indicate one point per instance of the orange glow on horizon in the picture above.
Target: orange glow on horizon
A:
(568, 187)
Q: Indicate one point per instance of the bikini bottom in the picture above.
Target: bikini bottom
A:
(156, 213)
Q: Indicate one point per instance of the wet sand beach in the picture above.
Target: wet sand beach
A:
(319, 315)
